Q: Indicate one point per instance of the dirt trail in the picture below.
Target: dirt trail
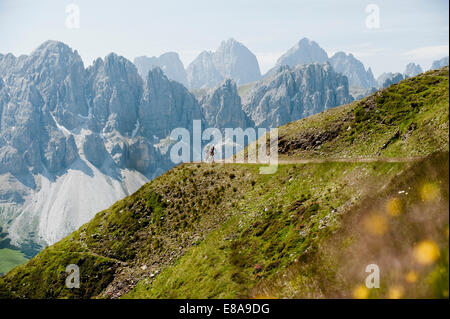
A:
(326, 160)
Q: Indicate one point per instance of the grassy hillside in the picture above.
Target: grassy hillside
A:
(309, 230)
(406, 119)
(9, 258)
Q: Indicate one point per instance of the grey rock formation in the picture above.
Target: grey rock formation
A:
(165, 105)
(387, 79)
(412, 69)
(169, 62)
(114, 89)
(222, 107)
(94, 149)
(304, 52)
(202, 73)
(439, 63)
(142, 155)
(307, 51)
(353, 69)
(41, 91)
(232, 60)
(289, 94)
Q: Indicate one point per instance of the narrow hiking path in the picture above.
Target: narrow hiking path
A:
(326, 160)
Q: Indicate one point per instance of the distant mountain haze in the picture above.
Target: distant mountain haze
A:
(308, 51)
(232, 60)
(439, 63)
(169, 62)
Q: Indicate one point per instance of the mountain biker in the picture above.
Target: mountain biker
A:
(211, 153)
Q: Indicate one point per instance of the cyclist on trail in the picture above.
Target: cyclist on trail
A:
(211, 153)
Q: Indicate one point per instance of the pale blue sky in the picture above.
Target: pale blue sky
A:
(410, 31)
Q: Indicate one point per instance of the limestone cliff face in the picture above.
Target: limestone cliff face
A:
(289, 94)
(222, 107)
(353, 69)
(114, 90)
(166, 105)
(39, 91)
(232, 60)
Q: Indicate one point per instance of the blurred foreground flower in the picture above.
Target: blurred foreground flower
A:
(394, 207)
(395, 292)
(429, 192)
(426, 252)
(411, 277)
(361, 292)
(376, 224)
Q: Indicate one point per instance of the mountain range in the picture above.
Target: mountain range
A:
(106, 127)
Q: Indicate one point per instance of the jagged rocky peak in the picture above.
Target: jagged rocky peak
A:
(58, 73)
(202, 73)
(169, 62)
(304, 52)
(289, 94)
(165, 105)
(412, 69)
(234, 61)
(7, 63)
(439, 63)
(354, 69)
(231, 60)
(115, 90)
(222, 107)
(44, 91)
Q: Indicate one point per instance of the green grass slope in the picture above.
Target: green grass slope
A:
(9, 258)
(226, 231)
(406, 119)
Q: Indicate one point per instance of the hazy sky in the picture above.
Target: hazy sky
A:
(409, 31)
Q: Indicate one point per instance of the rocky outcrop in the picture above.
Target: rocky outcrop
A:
(202, 73)
(353, 69)
(114, 90)
(169, 62)
(439, 63)
(222, 108)
(387, 79)
(289, 94)
(165, 105)
(41, 92)
(412, 69)
(304, 52)
(232, 60)
(307, 51)
(94, 149)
